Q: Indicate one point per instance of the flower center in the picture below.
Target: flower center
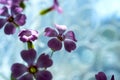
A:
(10, 19)
(60, 37)
(33, 69)
(28, 33)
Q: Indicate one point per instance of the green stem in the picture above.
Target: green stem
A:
(52, 53)
(16, 25)
(22, 5)
(30, 45)
(45, 11)
(12, 78)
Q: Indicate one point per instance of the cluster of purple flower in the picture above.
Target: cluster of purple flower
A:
(13, 18)
(39, 70)
(35, 69)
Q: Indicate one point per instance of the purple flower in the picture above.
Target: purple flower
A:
(11, 21)
(58, 37)
(32, 70)
(57, 7)
(28, 35)
(102, 76)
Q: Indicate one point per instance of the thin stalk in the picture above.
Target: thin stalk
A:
(52, 53)
(30, 45)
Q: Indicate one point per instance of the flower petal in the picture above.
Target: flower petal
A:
(55, 44)
(2, 22)
(56, 2)
(44, 61)
(16, 2)
(69, 45)
(15, 9)
(9, 29)
(50, 32)
(28, 56)
(59, 9)
(43, 75)
(70, 35)
(23, 39)
(3, 1)
(18, 69)
(20, 19)
(112, 78)
(61, 28)
(101, 76)
(4, 11)
(26, 77)
(25, 32)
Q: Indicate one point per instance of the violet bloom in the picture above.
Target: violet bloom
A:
(102, 76)
(34, 69)
(55, 6)
(28, 35)
(11, 21)
(56, 42)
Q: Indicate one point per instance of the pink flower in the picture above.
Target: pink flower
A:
(28, 35)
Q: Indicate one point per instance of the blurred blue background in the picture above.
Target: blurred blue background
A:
(96, 24)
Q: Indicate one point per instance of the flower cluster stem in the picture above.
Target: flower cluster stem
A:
(16, 25)
(30, 45)
(52, 53)
(43, 12)
(12, 78)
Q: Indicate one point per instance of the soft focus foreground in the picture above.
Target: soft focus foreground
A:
(97, 31)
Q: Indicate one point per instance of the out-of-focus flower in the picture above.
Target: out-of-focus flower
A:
(11, 3)
(13, 20)
(102, 76)
(58, 37)
(28, 35)
(55, 6)
(32, 70)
